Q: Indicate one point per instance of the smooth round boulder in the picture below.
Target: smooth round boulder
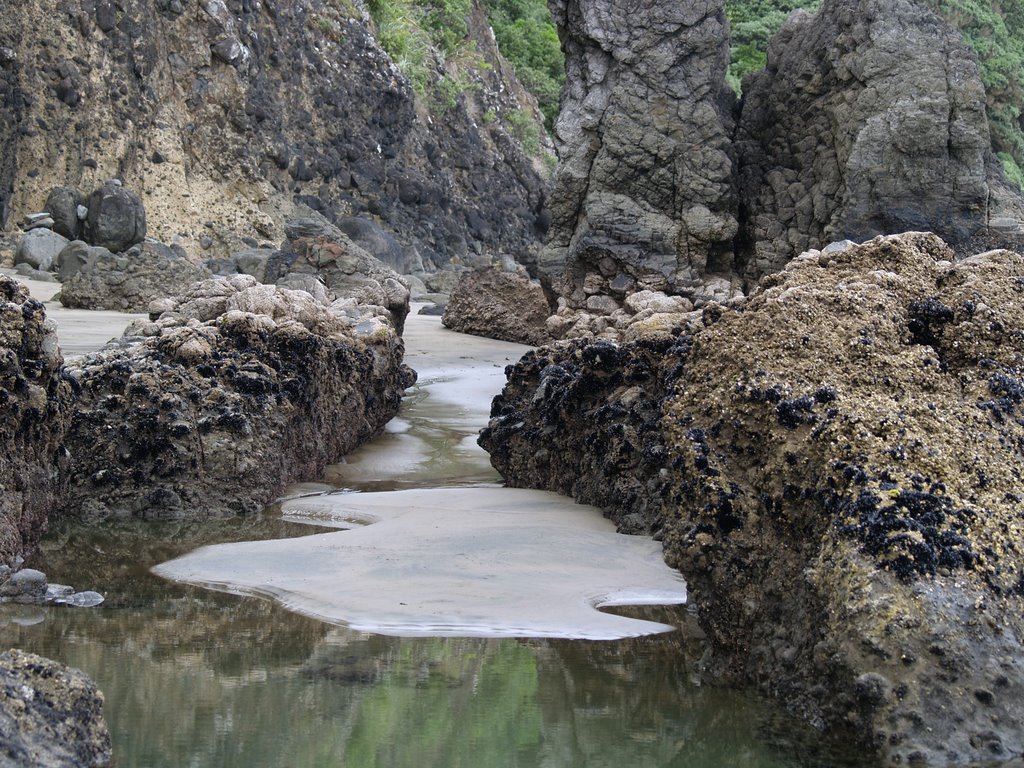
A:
(39, 248)
(116, 219)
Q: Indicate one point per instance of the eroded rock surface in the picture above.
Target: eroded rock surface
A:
(236, 390)
(499, 305)
(51, 716)
(96, 278)
(644, 193)
(35, 408)
(839, 478)
(315, 248)
(869, 119)
(222, 115)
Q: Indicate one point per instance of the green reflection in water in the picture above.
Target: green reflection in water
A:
(197, 678)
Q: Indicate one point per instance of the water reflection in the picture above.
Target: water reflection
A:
(197, 678)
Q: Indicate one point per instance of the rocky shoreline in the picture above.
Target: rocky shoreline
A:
(833, 467)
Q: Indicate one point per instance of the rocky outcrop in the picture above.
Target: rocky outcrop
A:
(96, 278)
(316, 249)
(869, 119)
(499, 305)
(224, 115)
(235, 391)
(644, 193)
(838, 475)
(51, 716)
(594, 394)
(35, 412)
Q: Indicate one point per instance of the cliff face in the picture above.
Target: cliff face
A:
(224, 113)
(643, 197)
(869, 119)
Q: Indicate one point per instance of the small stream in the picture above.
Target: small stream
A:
(199, 678)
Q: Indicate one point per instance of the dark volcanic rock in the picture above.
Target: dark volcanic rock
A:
(116, 219)
(62, 204)
(51, 716)
(95, 278)
(499, 305)
(839, 470)
(225, 115)
(35, 408)
(236, 391)
(644, 188)
(595, 394)
(869, 119)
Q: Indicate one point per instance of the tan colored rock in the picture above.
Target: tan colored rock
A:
(499, 305)
(835, 467)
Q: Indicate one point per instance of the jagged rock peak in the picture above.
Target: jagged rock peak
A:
(644, 193)
(869, 119)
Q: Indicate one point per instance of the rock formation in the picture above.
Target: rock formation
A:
(836, 470)
(95, 278)
(315, 249)
(500, 305)
(234, 391)
(644, 193)
(51, 716)
(36, 409)
(223, 114)
(869, 119)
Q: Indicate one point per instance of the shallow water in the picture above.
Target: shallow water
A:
(200, 678)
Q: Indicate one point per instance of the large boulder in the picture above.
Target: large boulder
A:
(838, 476)
(499, 305)
(51, 716)
(235, 391)
(96, 278)
(35, 409)
(40, 249)
(116, 219)
(644, 190)
(858, 128)
(64, 205)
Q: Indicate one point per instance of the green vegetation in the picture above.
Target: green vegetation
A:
(525, 130)
(753, 22)
(994, 28)
(413, 31)
(527, 38)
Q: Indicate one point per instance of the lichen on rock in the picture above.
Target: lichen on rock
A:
(235, 390)
(838, 469)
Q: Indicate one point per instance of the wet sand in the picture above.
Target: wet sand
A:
(468, 558)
